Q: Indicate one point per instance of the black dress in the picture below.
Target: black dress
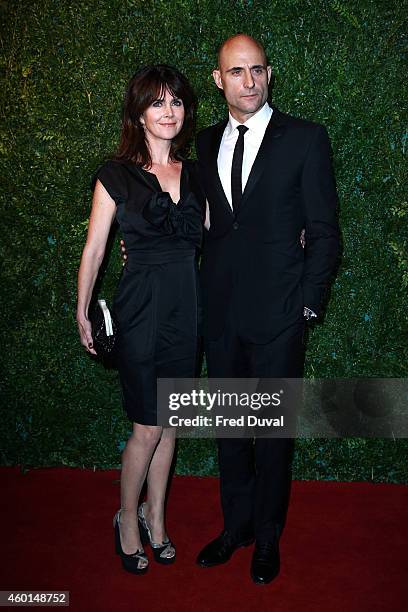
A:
(156, 299)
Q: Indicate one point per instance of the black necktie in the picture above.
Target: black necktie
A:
(236, 169)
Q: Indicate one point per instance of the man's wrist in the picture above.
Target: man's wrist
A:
(309, 314)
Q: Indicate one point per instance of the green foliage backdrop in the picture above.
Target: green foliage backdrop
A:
(65, 65)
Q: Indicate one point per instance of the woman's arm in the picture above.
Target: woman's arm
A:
(102, 215)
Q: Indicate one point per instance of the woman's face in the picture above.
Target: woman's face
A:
(163, 119)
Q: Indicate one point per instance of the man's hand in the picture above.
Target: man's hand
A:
(302, 238)
(123, 251)
(309, 314)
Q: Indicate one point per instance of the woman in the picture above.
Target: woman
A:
(157, 200)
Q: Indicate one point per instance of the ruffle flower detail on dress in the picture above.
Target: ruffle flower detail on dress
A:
(170, 218)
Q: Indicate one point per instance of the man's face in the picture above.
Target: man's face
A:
(243, 76)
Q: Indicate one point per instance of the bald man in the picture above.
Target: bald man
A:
(267, 175)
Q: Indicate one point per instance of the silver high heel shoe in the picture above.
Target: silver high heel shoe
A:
(165, 552)
(135, 563)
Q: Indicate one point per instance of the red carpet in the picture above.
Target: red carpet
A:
(344, 547)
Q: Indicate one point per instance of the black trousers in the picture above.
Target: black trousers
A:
(255, 474)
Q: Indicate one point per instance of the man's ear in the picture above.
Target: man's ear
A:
(269, 71)
(217, 78)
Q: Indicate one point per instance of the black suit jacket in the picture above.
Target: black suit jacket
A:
(254, 257)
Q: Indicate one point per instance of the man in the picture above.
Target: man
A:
(267, 175)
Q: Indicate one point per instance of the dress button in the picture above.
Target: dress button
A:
(235, 225)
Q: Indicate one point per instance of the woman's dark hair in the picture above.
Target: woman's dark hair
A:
(146, 85)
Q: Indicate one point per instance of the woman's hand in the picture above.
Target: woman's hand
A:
(85, 333)
(123, 252)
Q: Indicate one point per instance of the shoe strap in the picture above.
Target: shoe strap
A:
(145, 524)
(139, 553)
(164, 553)
(116, 518)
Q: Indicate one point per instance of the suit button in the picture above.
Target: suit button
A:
(235, 225)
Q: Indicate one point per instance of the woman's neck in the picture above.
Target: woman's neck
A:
(160, 152)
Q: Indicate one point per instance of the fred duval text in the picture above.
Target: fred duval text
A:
(249, 420)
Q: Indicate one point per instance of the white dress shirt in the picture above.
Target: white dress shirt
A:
(252, 141)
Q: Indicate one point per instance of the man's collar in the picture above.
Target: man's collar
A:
(257, 122)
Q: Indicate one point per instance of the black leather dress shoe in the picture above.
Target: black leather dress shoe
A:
(221, 549)
(265, 564)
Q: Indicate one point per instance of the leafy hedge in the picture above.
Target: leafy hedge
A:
(65, 66)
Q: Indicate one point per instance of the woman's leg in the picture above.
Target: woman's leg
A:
(157, 479)
(136, 458)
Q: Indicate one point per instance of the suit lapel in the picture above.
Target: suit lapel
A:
(275, 129)
(214, 147)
